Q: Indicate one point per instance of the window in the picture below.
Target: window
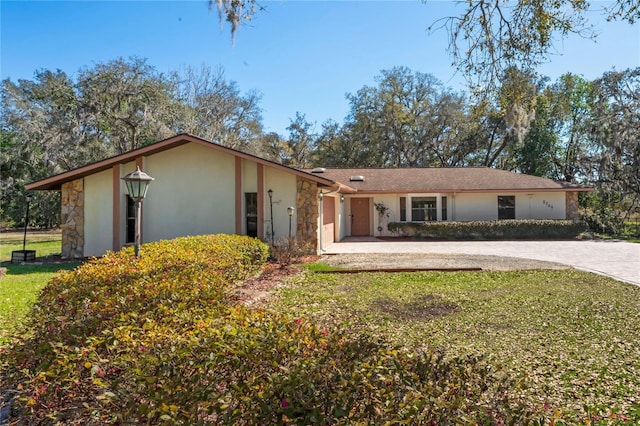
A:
(423, 209)
(131, 221)
(506, 207)
(444, 208)
(251, 209)
(403, 209)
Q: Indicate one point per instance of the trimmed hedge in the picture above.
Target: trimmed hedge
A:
(160, 340)
(486, 230)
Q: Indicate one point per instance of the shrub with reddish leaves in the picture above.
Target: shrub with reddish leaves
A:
(158, 340)
(69, 350)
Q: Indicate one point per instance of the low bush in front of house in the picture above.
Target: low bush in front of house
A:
(488, 230)
(287, 251)
(160, 339)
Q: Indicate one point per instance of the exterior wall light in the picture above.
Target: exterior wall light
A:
(290, 211)
(137, 184)
(270, 193)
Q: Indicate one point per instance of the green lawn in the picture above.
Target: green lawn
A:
(20, 287)
(570, 335)
(631, 231)
(44, 243)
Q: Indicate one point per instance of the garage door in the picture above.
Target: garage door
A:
(328, 219)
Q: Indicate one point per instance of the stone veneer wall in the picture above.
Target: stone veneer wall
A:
(72, 219)
(571, 207)
(307, 213)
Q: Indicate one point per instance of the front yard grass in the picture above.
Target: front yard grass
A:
(44, 242)
(20, 288)
(572, 336)
(22, 283)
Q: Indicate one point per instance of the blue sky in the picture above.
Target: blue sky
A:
(300, 55)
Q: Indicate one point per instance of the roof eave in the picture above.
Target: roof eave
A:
(457, 191)
(55, 182)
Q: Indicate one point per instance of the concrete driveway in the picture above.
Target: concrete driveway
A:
(616, 259)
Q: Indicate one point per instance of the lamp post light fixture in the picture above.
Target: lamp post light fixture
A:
(290, 211)
(26, 223)
(137, 184)
(270, 192)
(24, 255)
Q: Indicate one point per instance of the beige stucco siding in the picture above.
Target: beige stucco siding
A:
(284, 195)
(535, 205)
(541, 205)
(470, 206)
(193, 194)
(98, 213)
(392, 202)
(249, 176)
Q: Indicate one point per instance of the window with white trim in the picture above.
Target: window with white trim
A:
(423, 209)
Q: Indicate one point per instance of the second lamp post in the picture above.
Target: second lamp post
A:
(137, 184)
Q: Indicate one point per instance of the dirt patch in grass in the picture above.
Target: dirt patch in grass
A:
(570, 336)
(423, 308)
(257, 289)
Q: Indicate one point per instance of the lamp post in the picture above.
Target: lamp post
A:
(290, 211)
(137, 184)
(26, 223)
(270, 192)
(24, 255)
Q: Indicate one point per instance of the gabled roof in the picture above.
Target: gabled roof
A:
(452, 179)
(55, 182)
(405, 180)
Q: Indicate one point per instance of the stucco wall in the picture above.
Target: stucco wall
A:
(249, 176)
(550, 205)
(197, 197)
(471, 206)
(284, 195)
(98, 213)
(391, 201)
(192, 200)
(536, 205)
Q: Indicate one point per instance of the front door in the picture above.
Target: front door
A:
(360, 210)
